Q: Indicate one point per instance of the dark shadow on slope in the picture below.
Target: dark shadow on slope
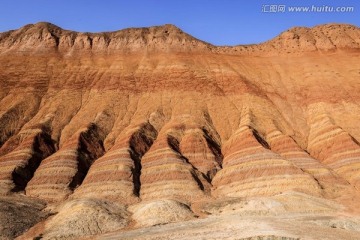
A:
(260, 139)
(43, 147)
(140, 142)
(175, 146)
(216, 150)
(90, 148)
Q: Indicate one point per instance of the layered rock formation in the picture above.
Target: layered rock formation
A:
(116, 175)
(63, 171)
(251, 169)
(142, 120)
(335, 147)
(18, 166)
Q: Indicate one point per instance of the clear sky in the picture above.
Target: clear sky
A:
(221, 22)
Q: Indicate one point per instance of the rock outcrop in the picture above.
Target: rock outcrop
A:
(119, 125)
(250, 168)
(116, 175)
(78, 218)
(335, 147)
(59, 174)
(161, 212)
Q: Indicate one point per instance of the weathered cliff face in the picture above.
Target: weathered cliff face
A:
(46, 37)
(146, 115)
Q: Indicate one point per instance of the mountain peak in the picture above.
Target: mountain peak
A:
(45, 25)
(320, 37)
(45, 36)
(122, 133)
(38, 27)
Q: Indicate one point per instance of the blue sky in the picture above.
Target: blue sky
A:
(226, 22)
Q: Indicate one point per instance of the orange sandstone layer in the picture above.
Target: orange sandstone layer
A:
(154, 115)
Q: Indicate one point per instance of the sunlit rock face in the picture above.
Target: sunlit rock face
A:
(147, 120)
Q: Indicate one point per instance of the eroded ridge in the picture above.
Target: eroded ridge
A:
(18, 166)
(116, 175)
(202, 151)
(284, 145)
(303, 84)
(250, 168)
(335, 147)
(59, 174)
(166, 173)
(13, 115)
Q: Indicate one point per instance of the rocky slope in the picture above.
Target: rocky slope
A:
(148, 126)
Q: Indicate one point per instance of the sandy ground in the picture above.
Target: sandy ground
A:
(285, 216)
(236, 227)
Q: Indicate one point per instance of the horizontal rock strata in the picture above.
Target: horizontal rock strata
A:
(335, 147)
(18, 166)
(59, 174)
(288, 149)
(251, 169)
(158, 123)
(116, 175)
(166, 173)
